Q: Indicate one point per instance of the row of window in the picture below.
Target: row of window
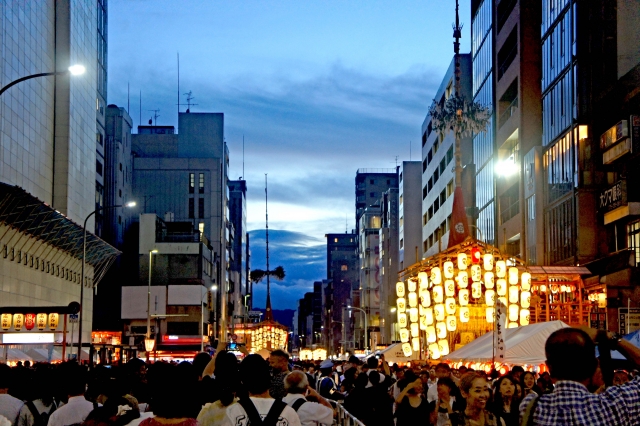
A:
(192, 183)
(438, 202)
(437, 172)
(192, 208)
(438, 233)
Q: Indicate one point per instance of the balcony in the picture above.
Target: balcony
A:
(506, 115)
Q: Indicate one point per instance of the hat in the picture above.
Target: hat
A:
(354, 360)
(327, 363)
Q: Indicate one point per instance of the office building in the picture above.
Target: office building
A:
(240, 286)
(389, 262)
(409, 213)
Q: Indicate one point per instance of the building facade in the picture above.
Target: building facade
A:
(240, 291)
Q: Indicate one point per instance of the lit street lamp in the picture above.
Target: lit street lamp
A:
(148, 341)
(366, 327)
(73, 70)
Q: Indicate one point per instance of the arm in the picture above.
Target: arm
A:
(211, 366)
(312, 392)
(385, 366)
(404, 392)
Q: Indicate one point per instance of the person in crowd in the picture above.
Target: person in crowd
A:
(10, 406)
(413, 407)
(116, 411)
(279, 363)
(475, 390)
(448, 402)
(574, 367)
(528, 383)
(357, 402)
(544, 383)
(348, 381)
(620, 377)
(325, 385)
(74, 379)
(227, 389)
(256, 380)
(516, 372)
(442, 370)
(41, 404)
(299, 392)
(505, 401)
(310, 370)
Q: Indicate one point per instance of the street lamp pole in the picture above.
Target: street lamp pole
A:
(73, 70)
(366, 327)
(84, 257)
(148, 343)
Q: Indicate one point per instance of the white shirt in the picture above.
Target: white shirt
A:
(75, 411)
(26, 416)
(310, 413)
(236, 416)
(10, 407)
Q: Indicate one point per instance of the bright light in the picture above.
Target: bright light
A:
(348, 306)
(214, 287)
(20, 338)
(507, 167)
(393, 310)
(154, 251)
(76, 69)
(130, 204)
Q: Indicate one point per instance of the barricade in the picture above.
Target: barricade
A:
(343, 417)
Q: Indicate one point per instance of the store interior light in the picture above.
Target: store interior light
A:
(507, 167)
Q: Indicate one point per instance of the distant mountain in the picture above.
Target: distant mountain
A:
(283, 316)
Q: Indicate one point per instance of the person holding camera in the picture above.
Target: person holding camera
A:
(298, 397)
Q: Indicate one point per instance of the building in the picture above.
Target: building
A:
(240, 286)
(370, 184)
(389, 262)
(409, 213)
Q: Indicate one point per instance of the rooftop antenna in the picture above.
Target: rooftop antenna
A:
(396, 161)
(189, 101)
(243, 156)
(178, 53)
(155, 116)
(140, 121)
(346, 224)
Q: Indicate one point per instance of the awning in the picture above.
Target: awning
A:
(559, 270)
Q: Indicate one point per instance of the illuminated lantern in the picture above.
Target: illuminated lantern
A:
(400, 289)
(476, 290)
(423, 280)
(406, 350)
(543, 288)
(413, 314)
(476, 273)
(29, 321)
(425, 298)
(462, 261)
(512, 325)
(404, 335)
(441, 330)
(525, 299)
(413, 299)
(423, 323)
(563, 288)
(428, 316)
(401, 303)
(436, 275)
(448, 269)
(411, 285)
(463, 279)
(438, 294)
(452, 323)
(525, 280)
(5, 321)
(490, 314)
(41, 321)
(449, 288)
(501, 287)
(490, 297)
(439, 312)
(415, 330)
(501, 269)
(514, 294)
(416, 343)
(434, 351)
(513, 276)
(450, 306)
(488, 262)
(443, 347)
(524, 316)
(463, 297)
(420, 310)
(402, 320)
(431, 334)
(488, 280)
(464, 314)
(602, 300)
(514, 312)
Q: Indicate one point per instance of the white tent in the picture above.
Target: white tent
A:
(525, 345)
(394, 354)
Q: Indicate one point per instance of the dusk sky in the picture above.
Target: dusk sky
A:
(317, 88)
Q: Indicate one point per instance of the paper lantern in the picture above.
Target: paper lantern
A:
(406, 350)
(443, 347)
(513, 276)
(413, 299)
(402, 320)
(490, 314)
(18, 321)
(602, 300)
(525, 281)
(487, 262)
(425, 298)
(462, 261)
(434, 351)
(514, 294)
(512, 325)
(450, 306)
(449, 288)
(501, 287)
(525, 299)
(452, 323)
(464, 314)
(423, 280)
(411, 285)
(404, 335)
(415, 330)
(447, 269)
(463, 297)
(413, 314)
(436, 275)
(400, 289)
(423, 323)
(431, 334)
(5, 321)
(501, 268)
(524, 316)
(514, 312)
(441, 330)
(401, 304)
(415, 342)
(490, 298)
(543, 288)
(476, 273)
(438, 310)
(476, 290)
(29, 321)
(438, 294)
(463, 279)
(563, 288)
(41, 321)
(428, 316)
(489, 279)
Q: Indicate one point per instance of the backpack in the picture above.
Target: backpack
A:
(296, 405)
(40, 419)
(254, 416)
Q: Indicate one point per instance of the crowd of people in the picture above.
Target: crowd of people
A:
(221, 390)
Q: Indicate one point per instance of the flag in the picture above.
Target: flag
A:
(459, 230)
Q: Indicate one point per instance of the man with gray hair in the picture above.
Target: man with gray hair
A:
(310, 413)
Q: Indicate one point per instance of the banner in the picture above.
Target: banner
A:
(499, 346)
(459, 230)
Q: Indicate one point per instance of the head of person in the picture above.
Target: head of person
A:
(200, 361)
(517, 372)
(6, 378)
(73, 377)
(571, 355)
(620, 377)
(475, 390)
(424, 376)
(372, 362)
(279, 361)
(226, 372)
(446, 388)
(173, 390)
(528, 380)
(443, 370)
(417, 388)
(254, 374)
(362, 380)
(505, 387)
(296, 382)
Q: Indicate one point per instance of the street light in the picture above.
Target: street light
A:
(84, 250)
(73, 70)
(366, 327)
(149, 343)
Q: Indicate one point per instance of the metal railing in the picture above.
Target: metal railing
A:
(376, 171)
(503, 66)
(510, 211)
(506, 115)
(343, 417)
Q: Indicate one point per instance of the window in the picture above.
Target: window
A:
(120, 166)
(120, 193)
(335, 240)
(201, 208)
(401, 242)
(99, 167)
(371, 181)
(531, 208)
(430, 183)
(450, 188)
(344, 268)
(201, 184)
(400, 199)
(633, 236)
(119, 220)
(436, 205)
(443, 196)
(443, 165)
(424, 165)
(99, 139)
(436, 175)
(388, 181)
(192, 183)
(449, 154)
(424, 219)
(191, 208)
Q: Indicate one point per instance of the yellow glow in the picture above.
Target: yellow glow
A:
(490, 297)
(431, 334)
(490, 314)
(415, 330)
(413, 314)
(463, 297)
(501, 268)
(443, 347)
(415, 342)
(514, 312)
(436, 275)
(513, 276)
(450, 305)
(413, 299)
(448, 269)
(439, 312)
(476, 273)
(463, 279)
(476, 290)
(406, 350)
(462, 261)
(434, 351)
(452, 323)
(488, 262)
(514, 294)
(438, 294)
(401, 304)
(428, 315)
(525, 299)
(425, 298)
(524, 317)
(423, 280)
(501, 287)
(449, 288)
(464, 314)
(512, 325)
(411, 285)
(525, 281)
(402, 320)
(489, 280)
(404, 335)
(441, 330)
(400, 289)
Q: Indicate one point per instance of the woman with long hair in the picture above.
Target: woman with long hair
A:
(227, 384)
(528, 383)
(413, 407)
(475, 390)
(505, 401)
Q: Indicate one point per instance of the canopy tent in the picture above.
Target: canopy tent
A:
(525, 345)
(394, 354)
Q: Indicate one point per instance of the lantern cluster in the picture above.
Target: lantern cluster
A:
(268, 337)
(29, 321)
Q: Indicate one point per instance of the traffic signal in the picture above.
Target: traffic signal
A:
(475, 255)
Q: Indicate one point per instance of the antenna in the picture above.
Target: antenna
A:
(178, 53)
(140, 122)
(155, 116)
(189, 99)
(396, 160)
(410, 151)
(346, 224)
(243, 156)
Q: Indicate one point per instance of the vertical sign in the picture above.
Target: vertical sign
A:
(628, 320)
(499, 343)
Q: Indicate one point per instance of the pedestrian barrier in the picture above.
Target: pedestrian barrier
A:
(344, 418)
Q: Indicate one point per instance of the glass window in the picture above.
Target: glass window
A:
(192, 183)
(201, 208)
(633, 235)
(191, 208)
(201, 183)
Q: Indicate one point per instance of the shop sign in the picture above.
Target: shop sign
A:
(628, 320)
(41, 321)
(613, 197)
(614, 134)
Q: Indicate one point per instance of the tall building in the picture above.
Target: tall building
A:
(389, 262)
(409, 213)
(240, 291)
(370, 184)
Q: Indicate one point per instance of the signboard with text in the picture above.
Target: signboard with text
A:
(613, 197)
(628, 320)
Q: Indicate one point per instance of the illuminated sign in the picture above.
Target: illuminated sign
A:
(181, 340)
(22, 338)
